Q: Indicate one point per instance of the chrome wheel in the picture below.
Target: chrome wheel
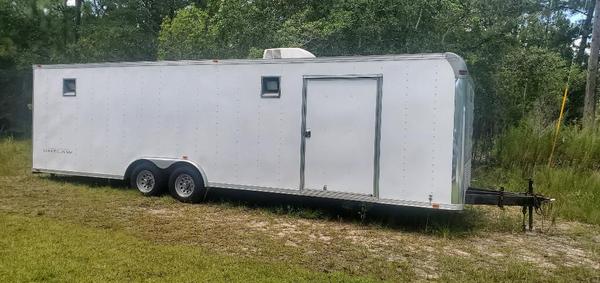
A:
(145, 181)
(184, 185)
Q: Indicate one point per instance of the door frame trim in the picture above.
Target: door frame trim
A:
(376, 151)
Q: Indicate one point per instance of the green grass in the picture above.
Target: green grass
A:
(74, 229)
(37, 249)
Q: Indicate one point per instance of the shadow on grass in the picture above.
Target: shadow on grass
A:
(87, 181)
(439, 222)
(436, 222)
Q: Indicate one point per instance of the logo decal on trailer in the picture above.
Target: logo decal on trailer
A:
(58, 150)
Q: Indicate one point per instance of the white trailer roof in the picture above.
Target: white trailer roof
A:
(252, 61)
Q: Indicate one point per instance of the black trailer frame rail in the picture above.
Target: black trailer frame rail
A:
(528, 200)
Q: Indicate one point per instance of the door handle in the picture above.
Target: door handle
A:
(307, 133)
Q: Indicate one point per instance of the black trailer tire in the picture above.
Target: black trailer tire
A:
(148, 179)
(186, 184)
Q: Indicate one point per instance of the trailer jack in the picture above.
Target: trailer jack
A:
(528, 200)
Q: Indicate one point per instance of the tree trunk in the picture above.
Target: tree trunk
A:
(586, 30)
(589, 104)
(65, 24)
(77, 18)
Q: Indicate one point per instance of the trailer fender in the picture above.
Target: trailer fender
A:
(166, 163)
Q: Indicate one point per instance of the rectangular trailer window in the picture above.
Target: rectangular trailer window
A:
(69, 87)
(270, 87)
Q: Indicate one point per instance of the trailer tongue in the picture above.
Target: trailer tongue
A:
(528, 200)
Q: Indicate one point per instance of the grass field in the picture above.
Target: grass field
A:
(73, 229)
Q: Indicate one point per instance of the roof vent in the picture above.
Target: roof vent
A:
(282, 53)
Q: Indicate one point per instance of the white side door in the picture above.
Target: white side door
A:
(339, 138)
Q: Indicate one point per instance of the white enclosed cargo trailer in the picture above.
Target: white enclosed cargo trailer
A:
(382, 129)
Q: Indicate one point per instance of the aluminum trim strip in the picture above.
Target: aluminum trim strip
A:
(306, 192)
(345, 76)
(337, 195)
(75, 173)
(302, 132)
(377, 151)
(400, 57)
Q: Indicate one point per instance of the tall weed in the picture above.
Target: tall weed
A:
(527, 146)
(572, 177)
